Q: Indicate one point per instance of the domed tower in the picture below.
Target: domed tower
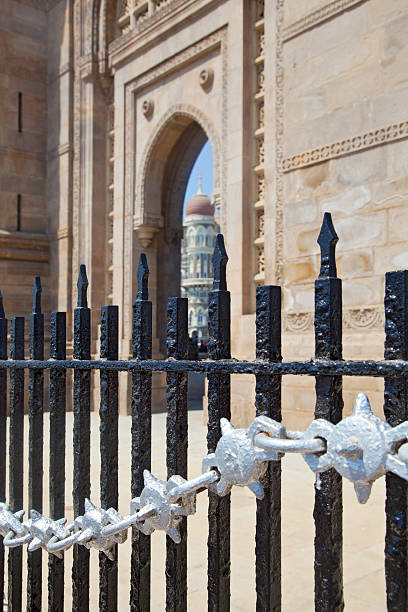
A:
(199, 233)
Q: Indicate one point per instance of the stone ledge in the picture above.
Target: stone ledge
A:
(24, 246)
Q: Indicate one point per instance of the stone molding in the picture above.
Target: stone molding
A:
(361, 142)
(60, 150)
(62, 233)
(24, 246)
(59, 72)
(370, 317)
(315, 18)
(197, 115)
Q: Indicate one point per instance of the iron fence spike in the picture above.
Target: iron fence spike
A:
(142, 278)
(220, 259)
(82, 285)
(37, 290)
(327, 241)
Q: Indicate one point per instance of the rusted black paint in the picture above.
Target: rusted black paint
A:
(177, 442)
(268, 402)
(16, 442)
(268, 368)
(219, 394)
(3, 429)
(327, 241)
(314, 367)
(82, 441)
(141, 436)
(396, 411)
(328, 507)
(35, 443)
(108, 413)
(57, 452)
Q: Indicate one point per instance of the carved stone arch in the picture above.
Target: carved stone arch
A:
(161, 182)
(163, 124)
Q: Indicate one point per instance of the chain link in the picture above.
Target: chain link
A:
(361, 447)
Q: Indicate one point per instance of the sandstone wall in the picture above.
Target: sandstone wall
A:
(23, 75)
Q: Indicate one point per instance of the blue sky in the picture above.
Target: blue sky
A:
(204, 166)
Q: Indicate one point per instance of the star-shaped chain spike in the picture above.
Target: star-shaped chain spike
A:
(10, 521)
(168, 515)
(43, 529)
(90, 526)
(237, 459)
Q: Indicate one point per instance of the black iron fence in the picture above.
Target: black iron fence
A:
(268, 368)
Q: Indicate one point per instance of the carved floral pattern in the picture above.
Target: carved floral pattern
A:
(260, 43)
(261, 260)
(353, 318)
(260, 9)
(261, 224)
(261, 188)
(298, 321)
(390, 133)
(261, 115)
(260, 79)
(261, 151)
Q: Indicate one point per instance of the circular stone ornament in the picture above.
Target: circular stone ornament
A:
(147, 108)
(206, 78)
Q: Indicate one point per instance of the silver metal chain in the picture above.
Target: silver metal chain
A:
(361, 447)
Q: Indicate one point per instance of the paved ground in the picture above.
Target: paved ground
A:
(363, 538)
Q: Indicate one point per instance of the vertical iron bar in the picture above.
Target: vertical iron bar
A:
(3, 427)
(35, 453)
(16, 451)
(268, 402)
(219, 392)
(141, 435)
(177, 442)
(58, 381)
(328, 509)
(82, 440)
(396, 411)
(108, 413)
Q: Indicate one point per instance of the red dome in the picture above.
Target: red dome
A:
(200, 204)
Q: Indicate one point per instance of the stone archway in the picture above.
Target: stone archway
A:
(166, 167)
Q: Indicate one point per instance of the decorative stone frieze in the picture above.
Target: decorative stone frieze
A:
(364, 318)
(360, 142)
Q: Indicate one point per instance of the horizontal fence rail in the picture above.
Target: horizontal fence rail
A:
(315, 367)
(165, 505)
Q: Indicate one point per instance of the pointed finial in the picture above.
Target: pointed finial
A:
(82, 285)
(327, 241)
(220, 259)
(142, 278)
(2, 313)
(200, 185)
(37, 290)
(362, 406)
